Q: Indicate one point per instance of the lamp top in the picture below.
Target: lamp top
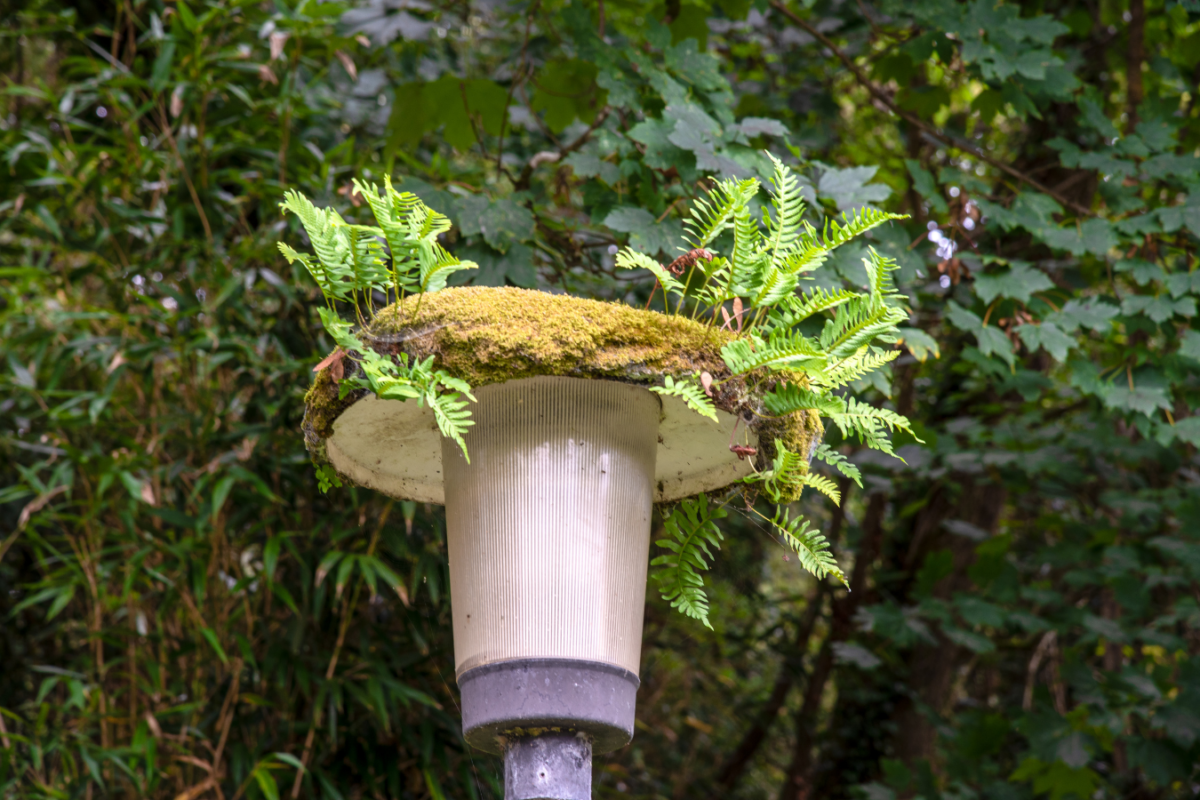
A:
(493, 335)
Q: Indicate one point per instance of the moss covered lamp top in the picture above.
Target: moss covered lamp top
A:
(492, 335)
(747, 360)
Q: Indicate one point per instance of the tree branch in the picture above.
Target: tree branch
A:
(883, 97)
(522, 181)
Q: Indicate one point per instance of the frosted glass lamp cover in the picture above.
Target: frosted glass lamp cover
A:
(549, 525)
(548, 531)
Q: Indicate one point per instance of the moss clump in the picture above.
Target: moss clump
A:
(492, 335)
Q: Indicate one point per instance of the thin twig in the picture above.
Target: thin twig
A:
(527, 172)
(166, 129)
(882, 96)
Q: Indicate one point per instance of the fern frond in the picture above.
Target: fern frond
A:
(871, 425)
(364, 262)
(785, 228)
(329, 289)
(785, 478)
(323, 234)
(879, 277)
(773, 285)
(833, 458)
(393, 211)
(810, 547)
(795, 310)
(788, 398)
(691, 393)
(857, 323)
(823, 485)
(438, 264)
(783, 349)
(855, 224)
(692, 536)
(453, 418)
(856, 366)
(632, 259)
(711, 215)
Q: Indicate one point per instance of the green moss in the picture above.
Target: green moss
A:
(492, 335)
(487, 336)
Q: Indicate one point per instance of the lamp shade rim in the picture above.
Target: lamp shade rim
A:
(395, 448)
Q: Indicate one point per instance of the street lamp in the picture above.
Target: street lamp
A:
(548, 530)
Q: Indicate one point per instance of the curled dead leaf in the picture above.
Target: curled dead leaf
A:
(348, 63)
(706, 380)
(337, 369)
(278, 40)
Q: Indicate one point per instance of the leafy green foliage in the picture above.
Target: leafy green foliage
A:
(691, 393)
(1029, 572)
(761, 276)
(350, 265)
(810, 547)
(692, 536)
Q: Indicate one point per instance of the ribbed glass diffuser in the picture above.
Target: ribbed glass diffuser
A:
(549, 523)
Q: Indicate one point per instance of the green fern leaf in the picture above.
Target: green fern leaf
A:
(692, 538)
(871, 425)
(857, 323)
(712, 214)
(810, 547)
(632, 259)
(784, 230)
(785, 477)
(794, 310)
(783, 349)
(691, 393)
(854, 224)
(453, 418)
(833, 458)
(437, 265)
(788, 398)
(823, 485)
(856, 366)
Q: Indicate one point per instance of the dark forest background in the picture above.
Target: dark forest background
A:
(1025, 615)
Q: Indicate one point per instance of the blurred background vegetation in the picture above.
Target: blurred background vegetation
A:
(1027, 620)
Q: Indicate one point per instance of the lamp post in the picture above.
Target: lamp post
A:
(548, 532)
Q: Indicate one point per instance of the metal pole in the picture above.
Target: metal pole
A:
(553, 766)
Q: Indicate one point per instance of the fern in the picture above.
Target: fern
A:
(788, 398)
(632, 259)
(350, 261)
(785, 476)
(784, 229)
(782, 350)
(712, 215)
(437, 265)
(839, 462)
(856, 366)
(810, 547)
(855, 224)
(393, 212)
(691, 393)
(453, 418)
(822, 484)
(871, 425)
(692, 537)
(794, 310)
(857, 323)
